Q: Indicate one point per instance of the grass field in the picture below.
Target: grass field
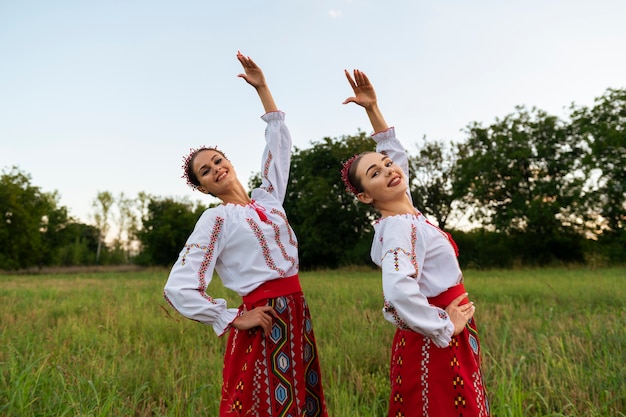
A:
(106, 344)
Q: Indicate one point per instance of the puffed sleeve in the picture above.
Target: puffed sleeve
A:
(276, 156)
(387, 143)
(405, 306)
(185, 289)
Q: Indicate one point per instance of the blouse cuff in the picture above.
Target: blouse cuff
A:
(273, 115)
(380, 137)
(443, 339)
(223, 322)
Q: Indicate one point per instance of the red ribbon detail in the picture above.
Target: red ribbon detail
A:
(259, 210)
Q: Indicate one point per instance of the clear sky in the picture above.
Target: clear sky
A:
(109, 95)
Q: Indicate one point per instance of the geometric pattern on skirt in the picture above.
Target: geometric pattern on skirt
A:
(430, 381)
(278, 374)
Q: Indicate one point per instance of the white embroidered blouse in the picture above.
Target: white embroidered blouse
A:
(417, 261)
(246, 245)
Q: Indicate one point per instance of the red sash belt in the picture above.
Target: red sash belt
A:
(274, 288)
(445, 298)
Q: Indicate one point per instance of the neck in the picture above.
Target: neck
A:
(237, 195)
(393, 208)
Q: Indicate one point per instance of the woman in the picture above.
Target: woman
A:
(435, 363)
(271, 365)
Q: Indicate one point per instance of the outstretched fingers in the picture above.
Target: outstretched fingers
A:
(350, 80)
(356, 83)
(361, 79)
(253, 74)
(353, 85)
(246, 61)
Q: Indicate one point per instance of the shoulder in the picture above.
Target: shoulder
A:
(394, 230)
(397, 221)
(212, 215)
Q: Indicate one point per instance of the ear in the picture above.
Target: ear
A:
(202, 190)
(364, 198)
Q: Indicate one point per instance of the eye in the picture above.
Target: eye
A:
(389, 163)
(218, 161)
(204, 172)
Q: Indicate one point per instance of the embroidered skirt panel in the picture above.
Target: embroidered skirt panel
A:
(277, 374)
(430, 381)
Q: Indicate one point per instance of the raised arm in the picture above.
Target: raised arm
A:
(365, 96)
(254, 76)
(276, 158)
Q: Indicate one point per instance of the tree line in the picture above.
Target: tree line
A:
(528, 189)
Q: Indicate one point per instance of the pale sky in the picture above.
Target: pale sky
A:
(109, 95)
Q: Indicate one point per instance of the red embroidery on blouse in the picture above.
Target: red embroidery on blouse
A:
(282, 215)
(411, 255)
(258, 233)
(266, 170)
(208, 257)
(389, 308)
(396, 259)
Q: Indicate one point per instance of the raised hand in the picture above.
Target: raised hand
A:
(364, 94)
(253, 74)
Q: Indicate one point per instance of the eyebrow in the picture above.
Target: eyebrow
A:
(373, 165)
(205, 165)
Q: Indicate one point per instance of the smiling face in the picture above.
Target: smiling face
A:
(215, 173)
(380, 179)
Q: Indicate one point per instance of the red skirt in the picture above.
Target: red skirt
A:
(430, 381)
(278, 374)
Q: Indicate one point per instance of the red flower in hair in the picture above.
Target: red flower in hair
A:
(346, 178)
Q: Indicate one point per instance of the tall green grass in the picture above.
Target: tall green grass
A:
(106, 344)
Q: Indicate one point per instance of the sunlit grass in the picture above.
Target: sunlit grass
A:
(106, 344)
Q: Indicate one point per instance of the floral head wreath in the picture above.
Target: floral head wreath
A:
(345, 177)
(192, 153)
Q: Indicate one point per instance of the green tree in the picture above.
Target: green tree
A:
(126, 223)
(102, 205)
(54, 233)
(332, 227)
(603, 129)
(431, 180)
(141, 203)
(75, 244)
(166, 226)
(521, 174)
(25, 213)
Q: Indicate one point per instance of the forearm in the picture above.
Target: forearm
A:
(376, 118)
(407, 308)
(266, 99)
